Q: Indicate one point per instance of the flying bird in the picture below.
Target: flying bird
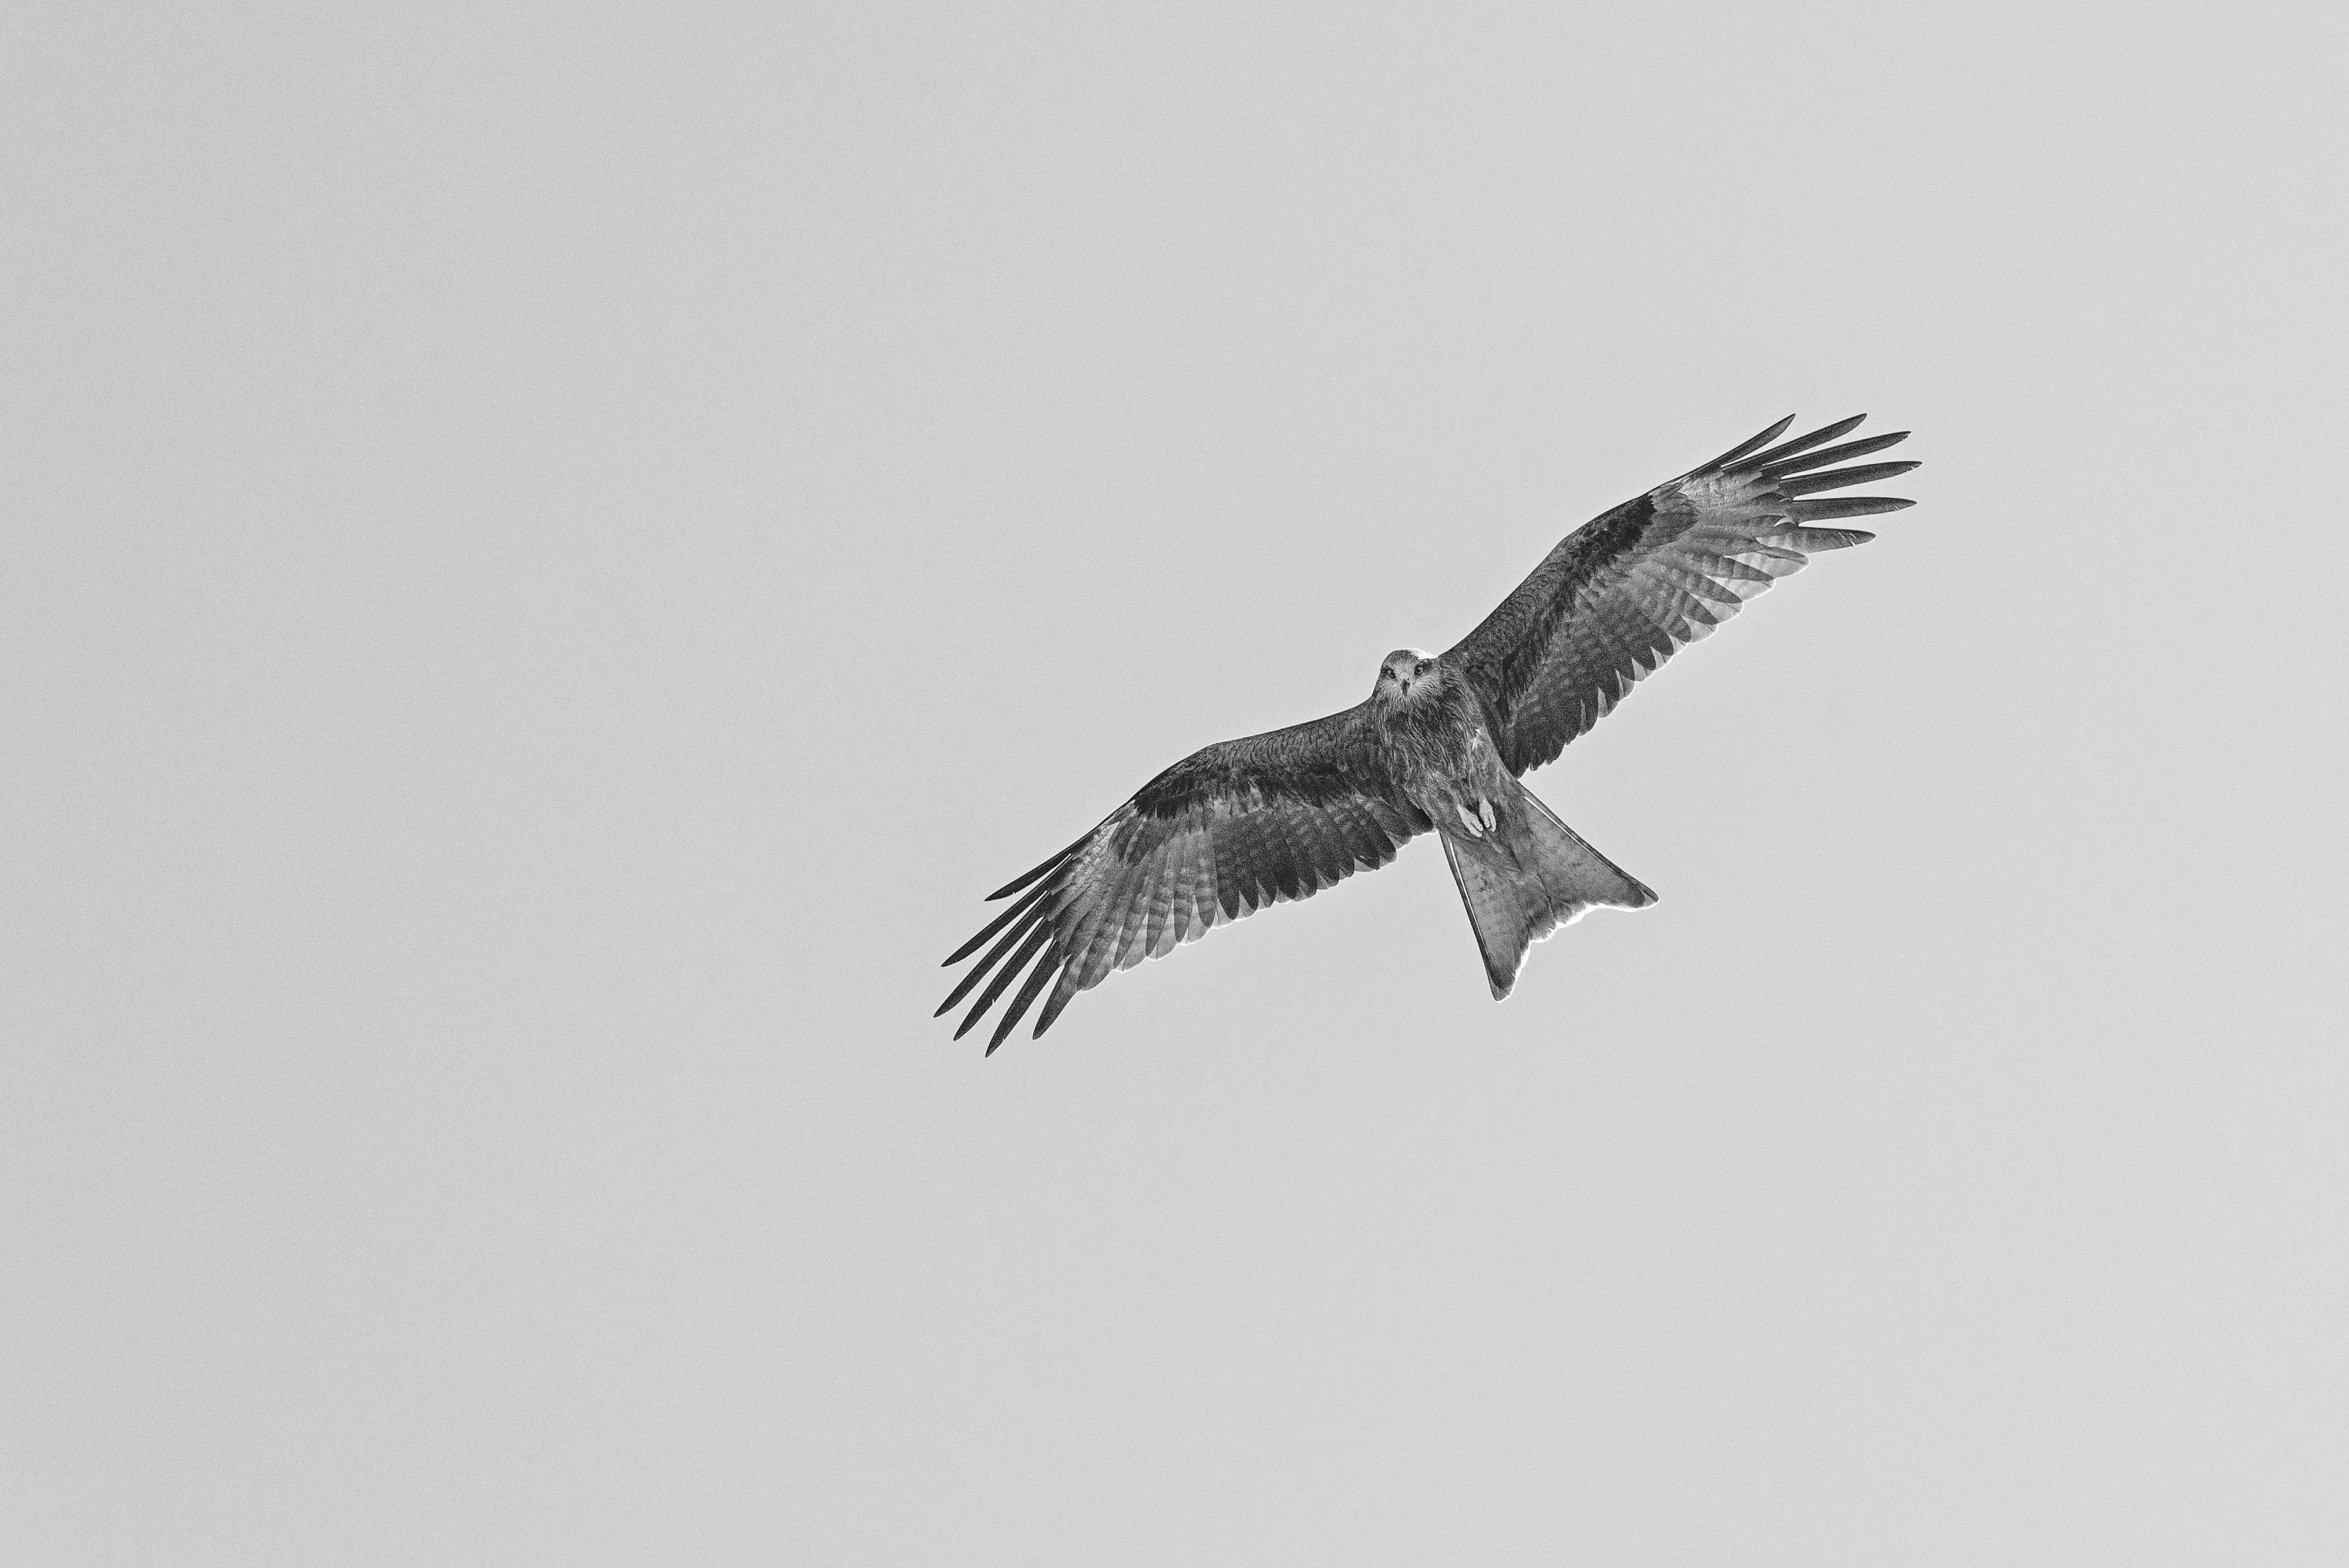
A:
(1438, 745)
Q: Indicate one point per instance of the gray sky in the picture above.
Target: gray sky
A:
(552, 557)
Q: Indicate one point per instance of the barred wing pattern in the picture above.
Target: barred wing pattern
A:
(1624, 592)
(1221, 834)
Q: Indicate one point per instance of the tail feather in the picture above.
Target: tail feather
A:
(1529, 878)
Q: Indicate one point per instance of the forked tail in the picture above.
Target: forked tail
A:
(1527, 878)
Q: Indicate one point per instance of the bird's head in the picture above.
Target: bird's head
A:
(1406, 674)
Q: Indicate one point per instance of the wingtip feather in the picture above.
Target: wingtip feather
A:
(1743, 447)
(1834, 454)
(978, 971)
(1837, 478)
(1061, 996)
(1038, 978)
(1803, 443)
(992, 926)
(1004, 977)
(1018, 882)
(1834, 506)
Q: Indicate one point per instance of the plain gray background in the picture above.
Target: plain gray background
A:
(552, 557)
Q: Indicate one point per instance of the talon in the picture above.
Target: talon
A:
(1475, 829)
(1484, 809)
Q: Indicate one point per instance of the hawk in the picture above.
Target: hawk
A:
(1438, 745)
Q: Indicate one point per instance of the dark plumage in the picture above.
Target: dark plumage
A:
(1439, 744)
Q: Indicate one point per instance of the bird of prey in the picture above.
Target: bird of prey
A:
(1439, 744)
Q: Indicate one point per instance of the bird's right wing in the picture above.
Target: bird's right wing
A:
(1218, 836)
(1625, 591)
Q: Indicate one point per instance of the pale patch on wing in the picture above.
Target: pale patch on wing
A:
(1621, 595)
(1219, 862)
(1721, 541)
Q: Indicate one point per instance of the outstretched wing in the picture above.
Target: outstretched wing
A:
(1216, 837)
(1622, 593)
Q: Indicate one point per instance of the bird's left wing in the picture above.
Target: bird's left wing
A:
(1218, 836)
(1622, 593)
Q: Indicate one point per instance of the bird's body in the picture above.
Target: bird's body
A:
(1434, 728)
(1437, 746)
